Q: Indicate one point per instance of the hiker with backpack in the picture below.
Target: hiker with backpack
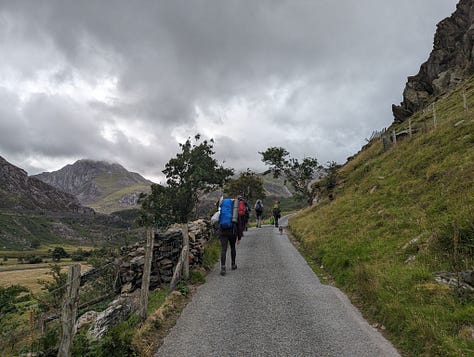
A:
(242, 214)
(247, 215)
(276, 211)
(228, 231)
(259, 212)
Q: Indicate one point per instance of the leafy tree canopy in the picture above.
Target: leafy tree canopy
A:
(298, 174)
(9, 297)
(248, 185)
(194, 170)
(59, 253)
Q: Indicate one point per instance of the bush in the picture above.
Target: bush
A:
(196, 277)
(80, 255)
(33, 259)
(59, 253)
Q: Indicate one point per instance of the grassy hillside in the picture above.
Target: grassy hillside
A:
(25, 231)
(111, 201)
(400, 215)
(112, 191)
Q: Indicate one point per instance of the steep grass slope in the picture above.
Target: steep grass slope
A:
(400, 215)
(114, 196)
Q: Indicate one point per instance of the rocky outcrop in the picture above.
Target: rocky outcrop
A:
(91, 181)
(450, 62)
(20, 192)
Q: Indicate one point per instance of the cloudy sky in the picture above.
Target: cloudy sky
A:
(126, 81)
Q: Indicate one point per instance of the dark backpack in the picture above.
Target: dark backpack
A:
(258, 207)
(225, 218)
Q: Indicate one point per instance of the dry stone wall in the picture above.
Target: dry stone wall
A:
(167, 248)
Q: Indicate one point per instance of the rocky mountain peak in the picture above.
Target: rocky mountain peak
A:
(20, 192)
(451, 61)
(91, 181)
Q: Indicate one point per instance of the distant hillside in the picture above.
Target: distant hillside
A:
(103, 186)
(399, 234)
(33, 213)
(275, 188)
(20, 192)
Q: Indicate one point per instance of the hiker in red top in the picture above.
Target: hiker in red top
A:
(242, 216)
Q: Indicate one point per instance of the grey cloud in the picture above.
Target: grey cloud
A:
(352, 58)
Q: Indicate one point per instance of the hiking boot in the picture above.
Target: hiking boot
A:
(234, 266)
(222, 271)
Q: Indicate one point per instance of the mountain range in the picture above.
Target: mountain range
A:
(105, 187)
(34, 211)
(20, 192)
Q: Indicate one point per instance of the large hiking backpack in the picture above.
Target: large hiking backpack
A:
(225, 218)
(241, 208)
(258, 207)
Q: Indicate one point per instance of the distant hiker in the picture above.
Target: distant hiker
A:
(228, 232)
(242, 215)
(247, 215)
(276, 211)
(259, 212)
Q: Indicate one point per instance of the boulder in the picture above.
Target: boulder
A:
(119, 310)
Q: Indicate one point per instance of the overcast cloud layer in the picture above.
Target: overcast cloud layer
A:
(125, 81)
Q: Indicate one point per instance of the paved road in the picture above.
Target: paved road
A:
(272, 305)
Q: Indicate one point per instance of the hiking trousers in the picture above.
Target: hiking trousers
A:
(231, 239)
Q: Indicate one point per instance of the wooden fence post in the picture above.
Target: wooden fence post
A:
(434, 115)
(409, 128)
(464, 97)
(394, 135)
(184, 227)
(69, 310)
(177, 271)
(146, 274)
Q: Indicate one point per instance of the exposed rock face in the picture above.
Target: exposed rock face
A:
(450, 62)
(118, 310)
(20, 192)
(91, 181)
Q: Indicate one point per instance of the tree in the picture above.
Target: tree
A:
(58, 253)
(190, 173)
(248, 185)
(54, 287)
(327, 184)
(298, 174)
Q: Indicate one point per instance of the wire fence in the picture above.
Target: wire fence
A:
(428, 119)
(103, 283)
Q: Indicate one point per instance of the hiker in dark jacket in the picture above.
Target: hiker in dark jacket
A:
(228, 236)
(259, 212)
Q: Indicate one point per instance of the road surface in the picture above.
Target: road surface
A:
(272, 305)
